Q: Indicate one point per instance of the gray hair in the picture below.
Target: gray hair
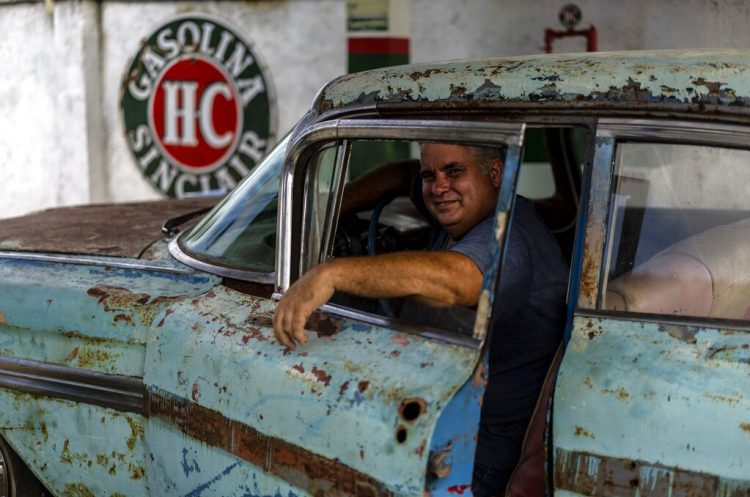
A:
(485, 156)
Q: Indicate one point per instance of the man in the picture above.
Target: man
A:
(460, 185)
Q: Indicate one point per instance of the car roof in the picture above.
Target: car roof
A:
(674, 80)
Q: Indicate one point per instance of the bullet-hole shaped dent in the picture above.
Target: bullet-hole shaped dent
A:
(401, 434)
(411, 409)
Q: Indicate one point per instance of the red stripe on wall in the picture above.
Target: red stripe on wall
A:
(399, 46)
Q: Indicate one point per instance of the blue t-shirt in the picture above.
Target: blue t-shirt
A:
(528, 317)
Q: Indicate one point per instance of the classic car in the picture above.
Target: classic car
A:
(140, 362)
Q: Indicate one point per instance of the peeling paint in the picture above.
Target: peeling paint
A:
(293, 463)
(590, 474)
(626, 80)
(124, 301)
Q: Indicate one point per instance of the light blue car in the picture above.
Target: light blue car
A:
(135, 362)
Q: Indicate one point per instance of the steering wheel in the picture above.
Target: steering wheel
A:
(372, 236)
(372, 232)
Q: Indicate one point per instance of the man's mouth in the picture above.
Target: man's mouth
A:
(444, 204)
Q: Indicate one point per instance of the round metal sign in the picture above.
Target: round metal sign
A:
(197, 106)
(570, 15)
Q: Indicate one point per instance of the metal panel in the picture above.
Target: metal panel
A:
(76, 449)
(664, 398)
(342, 398)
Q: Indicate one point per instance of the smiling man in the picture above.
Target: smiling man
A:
(459, 188)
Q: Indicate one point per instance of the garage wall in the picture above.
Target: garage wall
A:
(449, 29)
(61, 139)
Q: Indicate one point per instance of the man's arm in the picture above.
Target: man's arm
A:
(448, 277)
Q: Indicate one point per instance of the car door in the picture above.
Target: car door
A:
(651, 397)
(372, 405)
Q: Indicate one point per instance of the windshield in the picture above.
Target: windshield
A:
(241, 231)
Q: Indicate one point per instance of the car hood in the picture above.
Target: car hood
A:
(118, 230)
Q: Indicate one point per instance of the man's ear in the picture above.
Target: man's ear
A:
(496, 172)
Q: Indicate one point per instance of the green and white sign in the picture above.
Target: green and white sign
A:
(197, 106)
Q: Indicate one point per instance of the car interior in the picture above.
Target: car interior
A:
(550, 175)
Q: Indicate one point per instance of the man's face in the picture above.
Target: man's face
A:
(455, 190)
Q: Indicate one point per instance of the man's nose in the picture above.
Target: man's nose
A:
(440, 185)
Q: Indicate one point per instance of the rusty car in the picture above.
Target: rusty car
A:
(137, 357)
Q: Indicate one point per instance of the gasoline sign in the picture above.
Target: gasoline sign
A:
(197, 107)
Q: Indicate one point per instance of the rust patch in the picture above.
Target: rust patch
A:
(620, 393)
(593, 331)
(713, 87)
(94, 359)
(722, 398)
(322, 376)
(745, 427)
(126, 303)
(102, 460)
(400, 339)
(72, 354)
(136, 472)
(480, 375)
(323, 325)
(343, 388)
(299, 466)
(89, 339)
(580, 431)
(125, 318)
(363, 386)
(77, 490)
(589, 276)
(590, 474)
(122, 230)
(299, 367)
(136, 433)
(3, 321)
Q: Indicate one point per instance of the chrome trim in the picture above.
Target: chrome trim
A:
(679, 131)
(123, 393)
(432, 130)
(332, 216)
(91, 261)
(239, 274)
(666, 319)
(430, 333)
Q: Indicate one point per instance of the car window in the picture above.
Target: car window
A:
(391, 223)
(241, 231)
(320, 187)
(679, 231)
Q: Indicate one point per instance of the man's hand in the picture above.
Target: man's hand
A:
(298, 303)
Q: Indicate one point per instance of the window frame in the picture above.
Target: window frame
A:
(294, 178)
(610, 132)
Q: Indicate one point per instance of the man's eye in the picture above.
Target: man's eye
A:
(453, 171)
(427, 176)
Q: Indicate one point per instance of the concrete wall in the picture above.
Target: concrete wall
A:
(61, 137)
(450, 29)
